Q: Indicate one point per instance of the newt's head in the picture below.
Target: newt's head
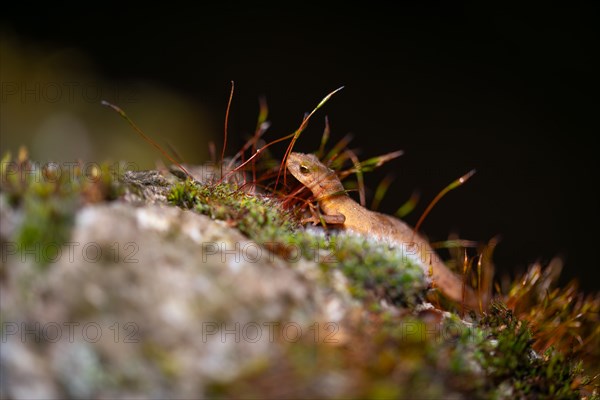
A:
(311, 172)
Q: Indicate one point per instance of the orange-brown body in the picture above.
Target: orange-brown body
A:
(338, 208)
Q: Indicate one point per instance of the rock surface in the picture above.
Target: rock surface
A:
(170, 299)
(109, 291)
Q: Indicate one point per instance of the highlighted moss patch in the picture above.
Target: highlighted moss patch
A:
(374, 270)
(48, 196)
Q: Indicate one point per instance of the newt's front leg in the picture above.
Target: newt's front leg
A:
(325, 219)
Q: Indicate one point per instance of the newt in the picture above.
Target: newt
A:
(341, 210)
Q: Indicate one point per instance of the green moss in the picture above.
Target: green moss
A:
(48, 196)
(374, 270)
(46, 227)
(378, 269)
(508, 358)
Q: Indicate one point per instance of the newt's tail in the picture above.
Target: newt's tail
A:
(458, 290)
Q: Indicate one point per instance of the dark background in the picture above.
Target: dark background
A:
(511, 92)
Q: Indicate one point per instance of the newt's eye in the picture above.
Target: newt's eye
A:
(304, 170)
